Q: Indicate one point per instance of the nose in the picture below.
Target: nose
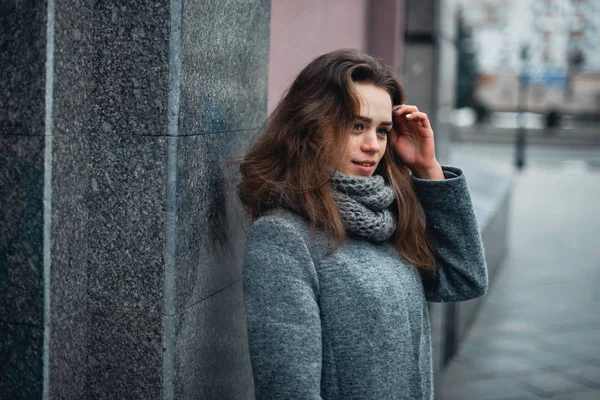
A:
(370, 143)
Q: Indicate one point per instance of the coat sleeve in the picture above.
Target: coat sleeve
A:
(281, 300)
(455, 236)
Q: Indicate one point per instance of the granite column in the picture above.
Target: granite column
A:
(121, 238)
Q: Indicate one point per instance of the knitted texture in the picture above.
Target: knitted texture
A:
(365, 205)
(353, 324)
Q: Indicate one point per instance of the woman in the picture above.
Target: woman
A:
(339, 264)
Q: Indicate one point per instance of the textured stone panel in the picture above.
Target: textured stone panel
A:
(111, 67)
(21, 357)
(74, 82)
(22, 67)
(68, 356)
(211, 348)
(124, 355)
(125, 209)
(21, 229)
(225, 52)
(69, 227)
(210, 236)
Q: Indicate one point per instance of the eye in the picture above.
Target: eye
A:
(383, 131)
(358, 126)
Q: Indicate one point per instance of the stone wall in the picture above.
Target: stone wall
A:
(121, 239)
(22, 141)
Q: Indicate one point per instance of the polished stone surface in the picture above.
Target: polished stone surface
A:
(21, 355)
(21, 229)
(107, 223)
(223, 102)
(107, 266)
(69, 356)
(22, 109)
(111, 67)
(70, 222)
(124, 355)
(211, 348)
(125, 233)
(22, 67)
(225, 52)
(115, 74)
(210, 235)
(110, 96)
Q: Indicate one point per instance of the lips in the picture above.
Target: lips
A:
(364, 163)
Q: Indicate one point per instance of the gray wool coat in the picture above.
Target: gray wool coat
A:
(353, 324)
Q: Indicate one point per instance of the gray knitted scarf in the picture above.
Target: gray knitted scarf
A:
(365, 205)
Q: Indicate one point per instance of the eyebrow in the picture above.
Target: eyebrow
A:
(369, 120)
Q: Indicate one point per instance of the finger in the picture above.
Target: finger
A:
(408, 106)
(420, 117)
(411, 118)
(404, 109)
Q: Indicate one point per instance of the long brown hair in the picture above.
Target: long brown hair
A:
(290, 163)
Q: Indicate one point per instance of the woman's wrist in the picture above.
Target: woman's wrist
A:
(432, 172)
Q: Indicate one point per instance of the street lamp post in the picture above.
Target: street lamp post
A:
(521, 138)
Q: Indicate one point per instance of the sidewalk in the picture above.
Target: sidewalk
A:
(538, 331)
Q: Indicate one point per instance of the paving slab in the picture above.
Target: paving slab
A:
(550, 384)
(585, 374)
(537, 333)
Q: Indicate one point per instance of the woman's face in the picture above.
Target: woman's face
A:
(366, 143)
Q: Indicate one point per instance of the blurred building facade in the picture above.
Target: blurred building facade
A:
(563, 58)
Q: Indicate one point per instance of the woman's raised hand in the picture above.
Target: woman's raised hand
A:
(412, 139)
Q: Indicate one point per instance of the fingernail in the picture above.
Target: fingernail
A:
(394, 111)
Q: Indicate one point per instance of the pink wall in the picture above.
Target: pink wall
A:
(303, 30)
